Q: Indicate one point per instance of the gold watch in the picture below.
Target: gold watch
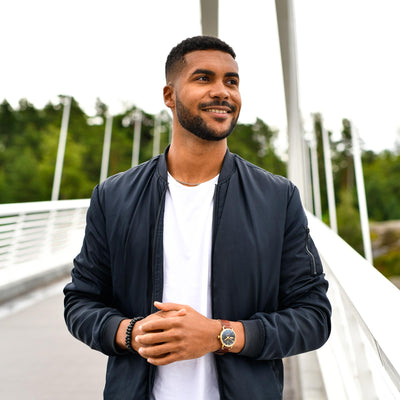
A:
(227, 337)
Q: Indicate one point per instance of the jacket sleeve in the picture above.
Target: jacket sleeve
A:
(88, 310)
(302, 320)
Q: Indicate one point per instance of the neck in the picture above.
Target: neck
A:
(195, 161)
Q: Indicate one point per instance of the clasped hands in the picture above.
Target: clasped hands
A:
(176, 332)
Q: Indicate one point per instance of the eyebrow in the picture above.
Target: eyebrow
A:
(212, 73)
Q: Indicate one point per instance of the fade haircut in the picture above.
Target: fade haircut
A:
(176, 57)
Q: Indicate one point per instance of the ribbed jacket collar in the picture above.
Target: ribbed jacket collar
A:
(227, 168)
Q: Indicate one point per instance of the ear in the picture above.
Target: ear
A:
(169, 96)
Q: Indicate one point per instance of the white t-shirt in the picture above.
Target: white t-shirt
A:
(187, 273)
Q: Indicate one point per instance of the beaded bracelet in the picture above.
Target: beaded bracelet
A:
(128, 337)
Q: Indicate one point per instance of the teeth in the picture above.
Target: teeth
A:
(218, 111)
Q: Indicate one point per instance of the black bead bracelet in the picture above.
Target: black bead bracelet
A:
(128, 337)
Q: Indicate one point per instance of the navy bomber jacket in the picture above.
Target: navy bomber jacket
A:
(266, 272)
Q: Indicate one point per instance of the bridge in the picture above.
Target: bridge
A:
(361, 360)
(41, 360)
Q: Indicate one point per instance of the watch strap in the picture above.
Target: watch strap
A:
(225, 324)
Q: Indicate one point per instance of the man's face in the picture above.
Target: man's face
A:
(207, 97)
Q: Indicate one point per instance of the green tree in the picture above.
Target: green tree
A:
(382, 184)
(8, 125)
(256, 143)
(29, 140)
(348, 220)
(317, 126)
(342, 160)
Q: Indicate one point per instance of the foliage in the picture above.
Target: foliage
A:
(342, 159)
(382, 185)
(386, 244)
(348, 221)
(389, 264)
(29, 142)
(318, 126)
(255, 143)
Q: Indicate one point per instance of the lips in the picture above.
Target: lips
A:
(217, 111)
(218, 107)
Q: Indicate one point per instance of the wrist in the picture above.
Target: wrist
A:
(128, 334)
(124, 337)
(240, 337)
(237, 336)
(121, 332)
(216, 330)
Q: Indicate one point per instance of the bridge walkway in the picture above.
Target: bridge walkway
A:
(40, 360)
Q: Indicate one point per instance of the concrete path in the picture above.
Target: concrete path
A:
(40, 360)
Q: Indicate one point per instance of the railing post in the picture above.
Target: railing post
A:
(106, 148)
(329, 178)
(13, 249)
(61, 149)
(362, 201)
(209, 17)
(298, 166)
(50, 229)
(137, 117)
(315, 176)
(157, 135)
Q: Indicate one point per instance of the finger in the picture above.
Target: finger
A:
(142, 354)
(151, 339)
(168, 314)
(169, 306)
(154, 351)
(164, 360)
(160, 324)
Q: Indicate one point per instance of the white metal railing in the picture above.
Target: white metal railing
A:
(41, 231)
(361, 359)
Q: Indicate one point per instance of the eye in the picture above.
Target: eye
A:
(233, 81)
(203, 78)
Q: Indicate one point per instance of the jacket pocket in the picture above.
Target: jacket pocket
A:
(310, 247)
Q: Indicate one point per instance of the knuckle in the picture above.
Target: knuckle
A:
(176, 335)
(181, 348)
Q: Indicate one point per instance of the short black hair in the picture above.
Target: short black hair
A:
(177, 54)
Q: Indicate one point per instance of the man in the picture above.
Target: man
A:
(197, 273)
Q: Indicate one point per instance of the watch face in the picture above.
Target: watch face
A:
(228, 337)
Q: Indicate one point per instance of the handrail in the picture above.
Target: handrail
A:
(37, 231)
(38, 206)
(361, 360)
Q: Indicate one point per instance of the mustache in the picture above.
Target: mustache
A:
(218, 103)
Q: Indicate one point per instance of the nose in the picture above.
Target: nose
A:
(219, 90)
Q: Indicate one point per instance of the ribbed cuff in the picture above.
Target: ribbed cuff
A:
(108, 338)
(254, 338)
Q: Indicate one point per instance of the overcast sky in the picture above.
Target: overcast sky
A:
(348, 56)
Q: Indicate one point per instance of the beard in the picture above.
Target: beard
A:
(196, 125)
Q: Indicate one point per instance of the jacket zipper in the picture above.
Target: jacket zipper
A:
(213, 232)
(214, 227)
(314, 265)
(160, 208)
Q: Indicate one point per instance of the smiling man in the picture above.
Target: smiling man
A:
(197, 273)
(222, 104)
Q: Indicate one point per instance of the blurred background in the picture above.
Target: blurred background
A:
(93, 71)
(110, 59)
